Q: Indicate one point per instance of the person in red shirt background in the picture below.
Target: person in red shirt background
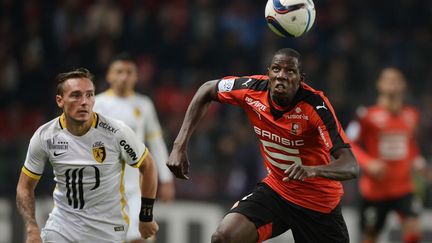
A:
(384, 143)
(304, 148)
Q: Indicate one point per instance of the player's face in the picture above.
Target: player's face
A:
(77, 99)
(122, 76)
(284, 79)
(391, 82)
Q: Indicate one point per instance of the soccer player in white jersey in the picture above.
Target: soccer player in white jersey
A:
(122, 102)
(88, 153)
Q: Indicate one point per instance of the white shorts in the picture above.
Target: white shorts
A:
(65, 227)
(50, 236)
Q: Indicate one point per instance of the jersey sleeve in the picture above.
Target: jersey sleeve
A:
(154, 140)
(355, 131)
(414, 147)
(329, 127)
(229, 90)
(36, 157)
(132, 150)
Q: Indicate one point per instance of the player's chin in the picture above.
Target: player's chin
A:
(280, 93)
(82, 116)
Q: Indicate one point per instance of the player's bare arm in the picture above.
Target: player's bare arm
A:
(26, 206)
(178, 162)
(344, 167)
(166, 191)
(148, 184)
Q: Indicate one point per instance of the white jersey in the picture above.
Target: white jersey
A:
(89, 198)
(138, 112)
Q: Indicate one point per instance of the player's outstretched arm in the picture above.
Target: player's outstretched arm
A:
(25, 201)
(148, 185)
(177, 161)
(344, 167)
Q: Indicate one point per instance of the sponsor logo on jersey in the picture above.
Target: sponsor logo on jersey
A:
(297, 116)
(226, 85)
(99, 152)
(128, 149)
(379, 118)
(276, 138)
(323, 137)
(108, 127)
(119, 228)
(255, 103)
(57, 145)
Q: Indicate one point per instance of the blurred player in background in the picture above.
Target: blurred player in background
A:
(299, 134)
(385, 145)
(121, 102)
(88, 153)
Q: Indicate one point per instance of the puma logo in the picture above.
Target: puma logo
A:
(321, 106)
(246, 83)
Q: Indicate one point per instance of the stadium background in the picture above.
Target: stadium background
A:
(180, 44)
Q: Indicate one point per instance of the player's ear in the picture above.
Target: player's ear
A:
(59, 101)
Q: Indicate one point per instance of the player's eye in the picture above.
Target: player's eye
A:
(75, 95)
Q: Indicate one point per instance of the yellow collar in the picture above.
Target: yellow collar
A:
(62, 120)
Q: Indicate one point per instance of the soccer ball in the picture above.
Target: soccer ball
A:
(290, 18)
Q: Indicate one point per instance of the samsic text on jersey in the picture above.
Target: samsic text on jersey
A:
(305, 133)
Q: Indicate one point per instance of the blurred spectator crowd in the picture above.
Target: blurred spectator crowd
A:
(179, 44)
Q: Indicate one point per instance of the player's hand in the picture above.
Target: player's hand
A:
(166, 191)
(299, 172)
(376, 169)
(178, 163)
(33, 236)
(148, 229)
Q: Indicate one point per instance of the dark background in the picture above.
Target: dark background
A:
(179, 45)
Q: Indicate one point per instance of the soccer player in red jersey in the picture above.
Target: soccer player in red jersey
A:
(384, 143)
(304, 148)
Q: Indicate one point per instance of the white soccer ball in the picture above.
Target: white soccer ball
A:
(290, 18)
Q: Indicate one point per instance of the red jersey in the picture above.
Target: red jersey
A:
(304, 133)
(391, 138)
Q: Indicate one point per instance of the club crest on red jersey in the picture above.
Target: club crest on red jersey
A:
(296, 128)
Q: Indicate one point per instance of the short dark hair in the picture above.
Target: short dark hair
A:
(123, 56)
(76, 73)
(291, 53)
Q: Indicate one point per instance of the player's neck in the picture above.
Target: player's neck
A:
(280, 104)
(78, 128)
(392, 103)
(123, 93)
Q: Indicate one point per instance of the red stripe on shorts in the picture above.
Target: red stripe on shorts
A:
(265, 232)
